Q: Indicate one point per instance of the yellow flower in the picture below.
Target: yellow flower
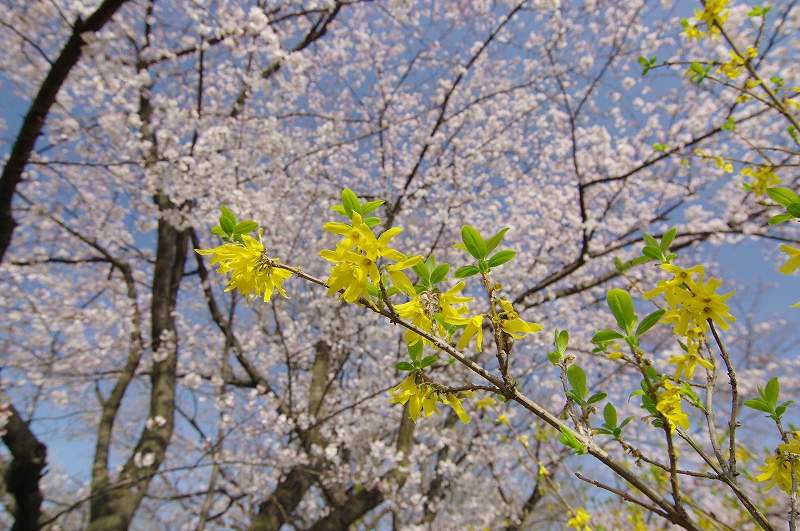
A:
(615, 353)
(669, 405)
(794, 259)
(687, 363)
(543, 471)
(485, 403)
(455, 403)
(354, 234)
(761, 178)
(414, 311)
(474, 327)
(778, 471)
(580, 519)
(697, 305)
(251, 272)
(517, 328)
(450, 297)
(502, 419)
(399, 278)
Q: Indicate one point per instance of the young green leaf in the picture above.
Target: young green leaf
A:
(794, 209)
(217, 231)
(439, 273)
(650, 241)
(466, 271)
(652, 252)
(227, 225)
(597, 397)
(610, 415)
(350, 202)
(577, 380)
(783, 196)
(227, 214)
(367, 208)
(606, 335)
(562, 340)
(245, 226)
(371, 222)
(567, 439)
(760, 405)
(780, 218)
(649, 322)
(404, 366)
(460, 246)
(428, 361)
(667, 239)
(501, 258)
(772, 391)
(340, 209)
(415, 351)
(474, 242)
(494, 241)
(421, 270)
(621, 305)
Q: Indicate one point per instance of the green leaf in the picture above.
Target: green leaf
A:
(367, 208)
(780, 218)
(610, 415)
(640, 260)
(340, 209)
(759, 404)
(667, 239)
(567, 439)
(577, 380)
(643, 61)
(554, 357)
(474, 242)
(439, 273)
(428, 361)
(227, 225)
(730, 124)
(653, 252)
(772, 392)
(466, 271)
(783, 196)
(415, 351)
(422, 271)
(621, 305)
(649, 322)
(494, 241)
(245, 226)
(350, 202)
(562, 340)
(619, 265)
(606, 335)
(371, 222)
(650, 241)
(659, 147)
(501, 258)
(372, 290)
(217, 231)
(460, 246)
(794, 209)
(597, 397)
(626, 421)
(404, 366)
(430, 263)
(792, 130)
(227, 214)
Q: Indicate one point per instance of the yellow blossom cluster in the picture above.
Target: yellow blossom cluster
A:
(686, 364)
(761, 178)
(580, 519)
(733, 68)
(692, 302)
(423, 399)
(669, 405)
(356, 258)
(421, 308)
(252, 271)
(778, 468)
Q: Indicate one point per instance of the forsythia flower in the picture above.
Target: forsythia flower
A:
(249, 266)
(513, 325)
(450, 297)
(474, 327)
(778, 471)
(696, 304)
(669, 405)
(485, 403)
(580, 519)
(414, 311)
(687, 363)
(761, 178)
(794, 259)
(422, 399)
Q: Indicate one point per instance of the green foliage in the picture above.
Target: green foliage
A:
(350, 204)
(648, 64)
(561, 341)
(768, 401)
(230, 229)
(569, 440)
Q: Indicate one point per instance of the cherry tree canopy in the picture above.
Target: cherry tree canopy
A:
(203, 411)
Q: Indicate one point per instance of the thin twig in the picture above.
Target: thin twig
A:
(623, 495)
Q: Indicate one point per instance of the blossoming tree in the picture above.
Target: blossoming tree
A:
(524, 132)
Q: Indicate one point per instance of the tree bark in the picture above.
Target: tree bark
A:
(34, 120)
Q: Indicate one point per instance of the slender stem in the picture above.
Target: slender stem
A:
(793, 512)
(732, 424)
(711, 383)
(623, 495)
